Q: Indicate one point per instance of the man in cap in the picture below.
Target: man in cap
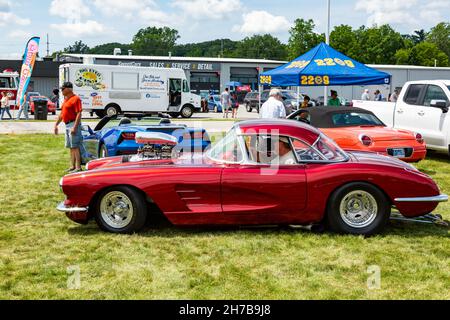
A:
(274, 108)
(71, 111)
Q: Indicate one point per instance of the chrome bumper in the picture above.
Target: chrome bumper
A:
(61, 207)
(440, 198)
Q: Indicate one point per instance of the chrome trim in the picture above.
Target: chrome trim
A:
(61, 207)
(440, 198)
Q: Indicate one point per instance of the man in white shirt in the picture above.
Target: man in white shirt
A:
(365, 96)
(273, 108)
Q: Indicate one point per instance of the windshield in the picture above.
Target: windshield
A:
(329, 149)
(227, 149)
(355, 119)
(448, 88)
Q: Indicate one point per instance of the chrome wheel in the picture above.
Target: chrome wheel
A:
(111, 111)
(116, 209)
(186, 112)
(358, 209)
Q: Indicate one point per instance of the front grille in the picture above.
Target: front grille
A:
(408, 151)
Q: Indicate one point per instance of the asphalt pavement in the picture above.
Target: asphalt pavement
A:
(212, 122)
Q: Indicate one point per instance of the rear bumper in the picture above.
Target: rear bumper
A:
(440, 198)
(76, 214)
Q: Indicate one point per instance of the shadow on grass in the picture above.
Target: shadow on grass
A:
(163, 229)
(438, 157)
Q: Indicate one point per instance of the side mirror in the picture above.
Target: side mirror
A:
(441, 104)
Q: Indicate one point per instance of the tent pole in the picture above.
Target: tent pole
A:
(259, 97)
(298, 97)
(325, 90)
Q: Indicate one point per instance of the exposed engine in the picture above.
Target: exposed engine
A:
(156, 146)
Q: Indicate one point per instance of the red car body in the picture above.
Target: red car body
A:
(223, 192)
(50, 105)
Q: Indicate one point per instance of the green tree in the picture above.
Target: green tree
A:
(154, 41)
(344, 39)
(108, 48)
(207, 49)
(378, 44)
(261, 47)
(423, 54)
(303, 38)
(440, 36)
(77, 47)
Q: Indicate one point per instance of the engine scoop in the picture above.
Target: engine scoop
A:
(155, 138)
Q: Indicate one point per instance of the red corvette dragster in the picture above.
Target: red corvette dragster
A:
(264, 172)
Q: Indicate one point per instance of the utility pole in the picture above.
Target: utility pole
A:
(48, 46)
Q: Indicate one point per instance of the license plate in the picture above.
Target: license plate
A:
(399, 153)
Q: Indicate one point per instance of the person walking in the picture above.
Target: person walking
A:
(71, 116)
(394, 96)
(24, 108)
(225, 100)
(365, 96)
(235, 106)
(274, 108)
(5, 105)
(378, 96)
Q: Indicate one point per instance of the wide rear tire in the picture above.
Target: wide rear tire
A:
(121, 210)
(358, 208)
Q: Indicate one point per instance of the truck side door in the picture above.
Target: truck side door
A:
(406, 114)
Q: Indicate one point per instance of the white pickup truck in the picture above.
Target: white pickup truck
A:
(422, 107)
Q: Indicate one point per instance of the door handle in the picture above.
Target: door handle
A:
(400, 111)
(421, 113)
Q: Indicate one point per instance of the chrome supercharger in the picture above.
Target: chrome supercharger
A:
(155, 146)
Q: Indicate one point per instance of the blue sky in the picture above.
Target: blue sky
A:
(101, 21)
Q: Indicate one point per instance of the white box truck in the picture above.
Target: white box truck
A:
(110, 90)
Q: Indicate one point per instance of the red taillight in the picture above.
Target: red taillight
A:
(128, 136)
(419, 138)
(365, 140)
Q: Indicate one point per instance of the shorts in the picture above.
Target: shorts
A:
(73, 141)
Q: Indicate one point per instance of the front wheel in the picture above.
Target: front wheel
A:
(249, 108)
(121, 210)
(112, 110)
(187, 112)
(358, 208)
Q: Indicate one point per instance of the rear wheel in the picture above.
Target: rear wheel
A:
(112, 110)
(249, 107)
(358, 208)
(187, 112)
(121, 210)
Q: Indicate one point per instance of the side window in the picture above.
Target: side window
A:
(4, 83)
(227, 149)
(186, 86)
(305, 152)
(434, 93)
(413, 94)
(270, 150)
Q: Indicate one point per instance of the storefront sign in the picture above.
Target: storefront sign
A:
(188, 66)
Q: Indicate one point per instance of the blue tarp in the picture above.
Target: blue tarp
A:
(323, 66)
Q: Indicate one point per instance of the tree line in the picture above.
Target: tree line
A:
(370, 45)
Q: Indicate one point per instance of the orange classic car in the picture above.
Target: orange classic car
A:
(358, 129)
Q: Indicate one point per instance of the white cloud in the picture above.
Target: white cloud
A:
(158, 18)
(8, 18)
(207, 9)
(387, 11)
(73, 10)
(88, 29)
(262, 22)
(121, 7)
(19, 34)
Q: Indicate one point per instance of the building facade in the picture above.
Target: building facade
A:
(203, 73)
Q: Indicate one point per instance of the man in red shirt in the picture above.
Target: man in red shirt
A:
(71, 111)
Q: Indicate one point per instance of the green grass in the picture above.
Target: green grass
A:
(38, 244)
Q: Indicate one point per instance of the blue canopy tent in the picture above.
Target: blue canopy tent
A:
(324, 66)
